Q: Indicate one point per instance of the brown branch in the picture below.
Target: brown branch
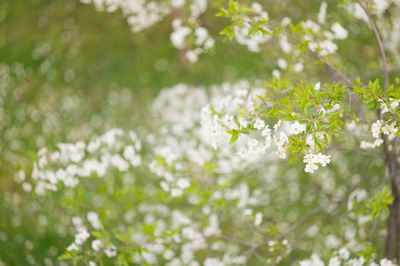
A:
(392, 242)
(379, 40)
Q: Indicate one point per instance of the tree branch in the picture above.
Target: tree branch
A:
(379, 40)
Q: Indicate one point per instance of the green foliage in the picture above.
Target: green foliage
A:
(238, 15)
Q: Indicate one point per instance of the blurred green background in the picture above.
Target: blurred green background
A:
(68, 72)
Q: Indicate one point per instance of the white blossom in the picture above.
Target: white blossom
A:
(96, 244)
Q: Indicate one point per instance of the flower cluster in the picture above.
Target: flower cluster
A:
(80, 160)
(225, 116)
(242, 33)
(343, 258)
(387, 129)
(189, 123)
(326, 45)
(319, 38)
(312, 160)
(140, 14)
(180, 36)
(83, 235)
(365, 145)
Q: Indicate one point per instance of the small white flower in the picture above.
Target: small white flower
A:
(389, 129)
(298, 67)
(281, 153)
(310, 168)
(375, 129)
(183, 183)
(317, 86)
(243, 153)
(258, 219)
(94, 220)
(27, 187)
(266, 131)
(386, 262)
(335, 261)
(96, 244)
(253, 143)
(229, 122)
(81, 237)
(259, 124)
(296, 128)
(73, 246)
(277, 125)
(344, 254)
(111, 251)
(282, 63)
(340, 32)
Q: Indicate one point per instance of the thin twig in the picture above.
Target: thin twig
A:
(379, 40)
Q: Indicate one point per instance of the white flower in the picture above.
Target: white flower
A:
(27, 187)
(394, 104)
(183, 183)
(243, 153)
(310, 168)
(282, 63)
(296, 128)
(73, 246)
(317, 86)
(259, 124)
(243, 122)
(339, 31)
(375, 129)
(168, 254)
(298, 67)
(335, 261)
(253, 143)
(281, 153)
(327, 47)
(277, 125)
(386, 262)
(322, 12)
(94, 220)
(111, 251)
(389, 129)
(266, 131)
(213, 262)
(20, 176)
(312, 160)
(281, 140)
(229, 122)
(258, 219)
(323, 159)
(92, 263)
(344, 254)
(96, 244)
(371, 145)
(276, 74)
(81, 237)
